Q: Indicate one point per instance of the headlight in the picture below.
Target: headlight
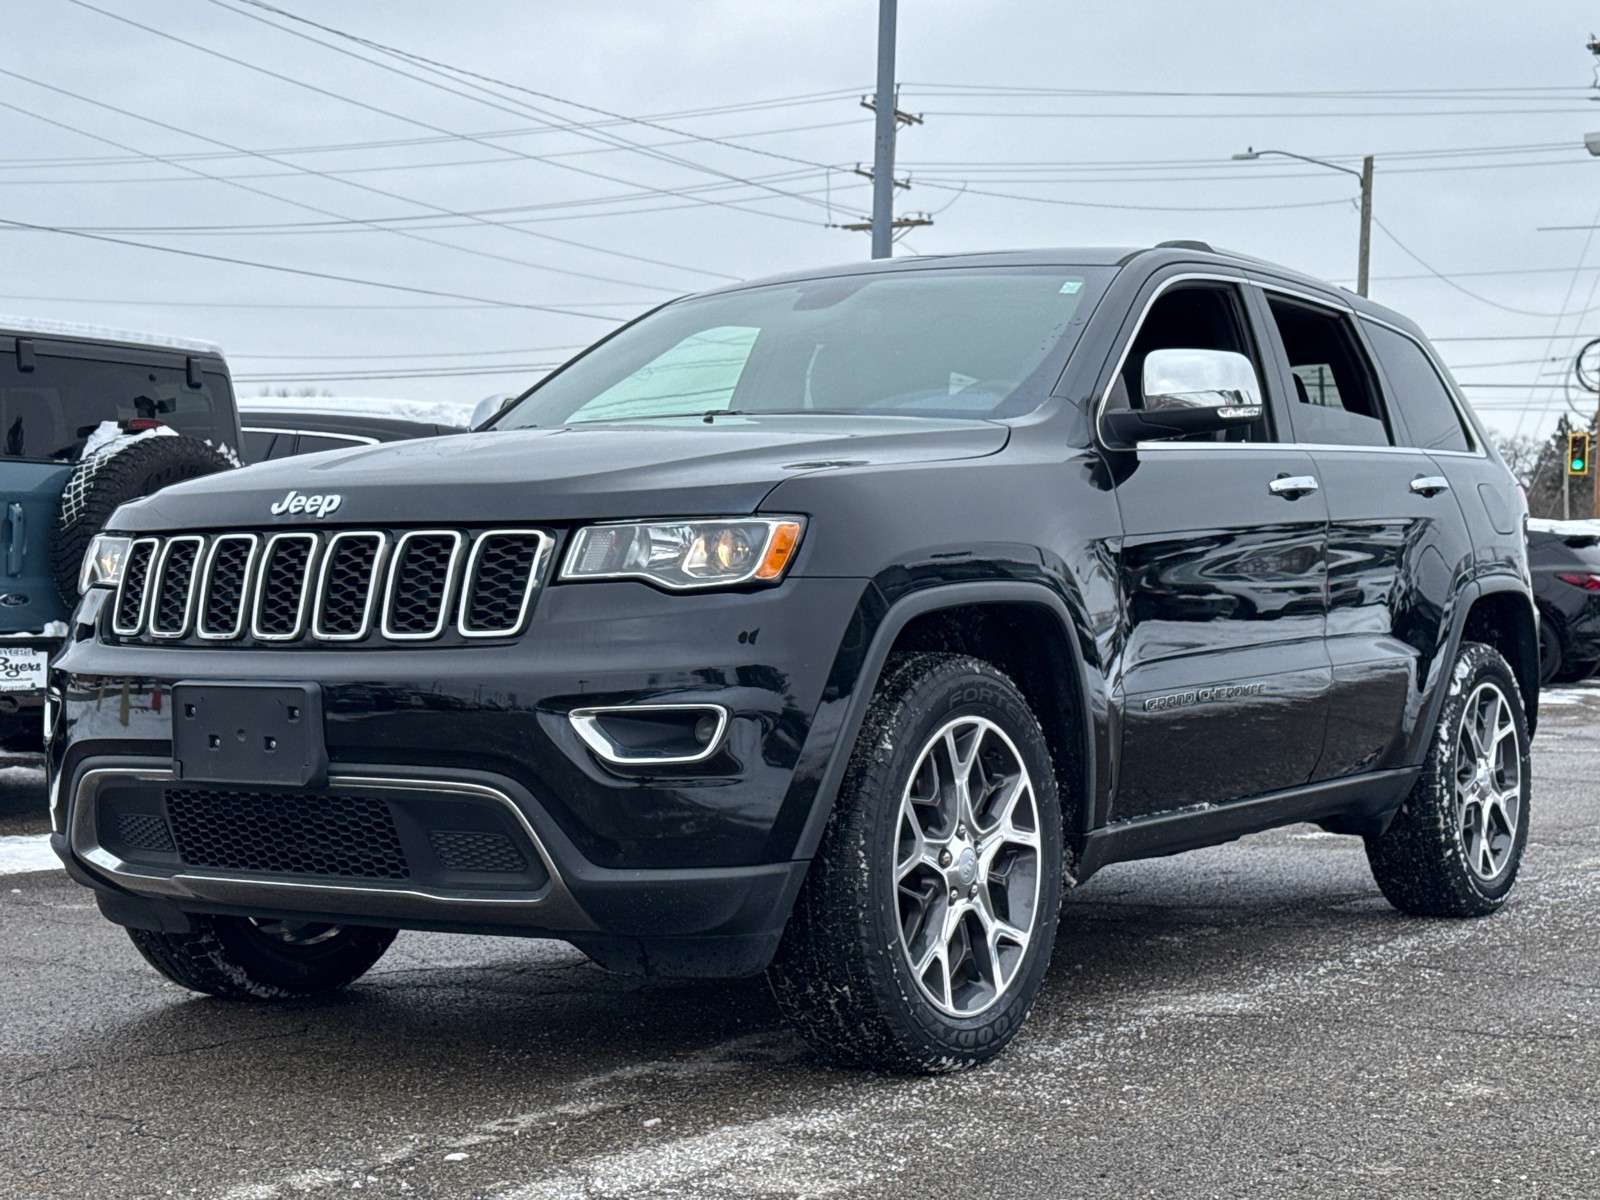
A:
(686, 554)
(102, 566)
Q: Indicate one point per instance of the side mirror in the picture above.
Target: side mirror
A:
(1188, 391)
(490, 406)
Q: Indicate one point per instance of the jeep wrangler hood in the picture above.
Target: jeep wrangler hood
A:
(570, 473)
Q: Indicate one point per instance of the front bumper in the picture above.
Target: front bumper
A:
(708, 921)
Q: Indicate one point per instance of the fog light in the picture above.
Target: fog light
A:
(651, 734)
(705, 729)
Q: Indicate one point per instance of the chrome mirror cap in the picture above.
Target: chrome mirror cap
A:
(1203, 379)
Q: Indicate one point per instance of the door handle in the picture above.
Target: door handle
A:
(1429, 485)
(1291, 486)
(17, 550)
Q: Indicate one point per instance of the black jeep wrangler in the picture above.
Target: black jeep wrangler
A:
(825, 626)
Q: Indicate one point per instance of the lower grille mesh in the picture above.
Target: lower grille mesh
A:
(287, 834)
(466, 850)
(144, 831)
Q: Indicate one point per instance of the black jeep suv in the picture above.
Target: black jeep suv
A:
(826, 625)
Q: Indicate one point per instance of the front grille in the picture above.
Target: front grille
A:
(223, 589)
(286, 833)
(349, 586)
(129, 616)
(282, 592)
(174, 586)
(501, 576)
(467, 850)
(419, 584)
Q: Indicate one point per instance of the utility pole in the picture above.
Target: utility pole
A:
(883, 150)
(1365, 252)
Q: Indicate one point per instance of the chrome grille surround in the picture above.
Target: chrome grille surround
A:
(398, 583)
(203, 626)
(266, 584)
(134, 589)
(331, 559)
(471, 580)
(357, 585)
(160, 587)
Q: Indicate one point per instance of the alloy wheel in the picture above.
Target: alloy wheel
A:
(966, 866)
(1488, 782)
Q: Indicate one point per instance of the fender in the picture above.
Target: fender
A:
(889, 626)
(1527, 634)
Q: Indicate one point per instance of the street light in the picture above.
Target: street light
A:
(1365, 175)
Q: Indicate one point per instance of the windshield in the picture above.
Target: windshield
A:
(969, 342)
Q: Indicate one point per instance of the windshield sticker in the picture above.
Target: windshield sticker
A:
(1071, 287)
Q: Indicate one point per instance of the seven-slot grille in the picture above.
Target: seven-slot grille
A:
(407, 585)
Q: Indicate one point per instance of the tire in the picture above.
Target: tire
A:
(114, 476)
(1455, 846)
(844, 974)
(238, 958)
(1549, 650)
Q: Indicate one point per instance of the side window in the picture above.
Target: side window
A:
(258, 445)
(1421, 396)
(311, 443)
(1337, 396)
(1192, 318)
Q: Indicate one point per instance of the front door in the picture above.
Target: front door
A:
(1223, 676)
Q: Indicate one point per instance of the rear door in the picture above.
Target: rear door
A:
(1397, 543)
(1223, 677)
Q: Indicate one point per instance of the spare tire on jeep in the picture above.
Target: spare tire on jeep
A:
(124, 470)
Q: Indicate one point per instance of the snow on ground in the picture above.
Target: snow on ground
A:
(29, 852)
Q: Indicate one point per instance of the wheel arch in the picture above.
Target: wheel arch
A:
(983, 619)
(1502, 615)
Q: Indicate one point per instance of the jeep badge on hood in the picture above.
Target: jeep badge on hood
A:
(314, 506)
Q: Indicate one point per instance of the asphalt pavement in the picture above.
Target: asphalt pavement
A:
(1251, 1020)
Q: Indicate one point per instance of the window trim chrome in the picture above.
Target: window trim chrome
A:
(1162, 288)
(122, 587)
(306, 585)
(446, 601)
(540, 561)
(246, 593)
(380, 564)
(585, 723)
(189, 592)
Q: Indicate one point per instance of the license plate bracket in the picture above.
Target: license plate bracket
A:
(249, 733)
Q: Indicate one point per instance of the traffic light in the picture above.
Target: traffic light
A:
(1577, 454)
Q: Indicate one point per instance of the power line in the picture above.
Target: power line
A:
(244, 262)
(1135, 207)
(400, 116)
(311, 171)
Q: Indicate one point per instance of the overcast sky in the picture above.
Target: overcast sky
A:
(718, 141)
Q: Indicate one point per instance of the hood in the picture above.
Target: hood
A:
(685, 468)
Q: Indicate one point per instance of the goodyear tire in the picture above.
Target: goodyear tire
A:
(114, 476)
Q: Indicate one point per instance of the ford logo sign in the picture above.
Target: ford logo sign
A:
(13, 599)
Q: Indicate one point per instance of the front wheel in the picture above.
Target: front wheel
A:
(924, 928)
(1454, 847)
(243, 958)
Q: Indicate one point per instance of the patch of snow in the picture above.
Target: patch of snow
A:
(76, 329)
(108, 436)
(27, 852)
(1565, 528)
(439, 412)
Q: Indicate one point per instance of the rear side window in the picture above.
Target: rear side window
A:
(47, 413)
(1337, 396)
(1420, 395)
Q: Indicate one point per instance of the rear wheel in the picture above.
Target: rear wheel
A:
(257, 959)
(925, 925)
(1454, 848)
